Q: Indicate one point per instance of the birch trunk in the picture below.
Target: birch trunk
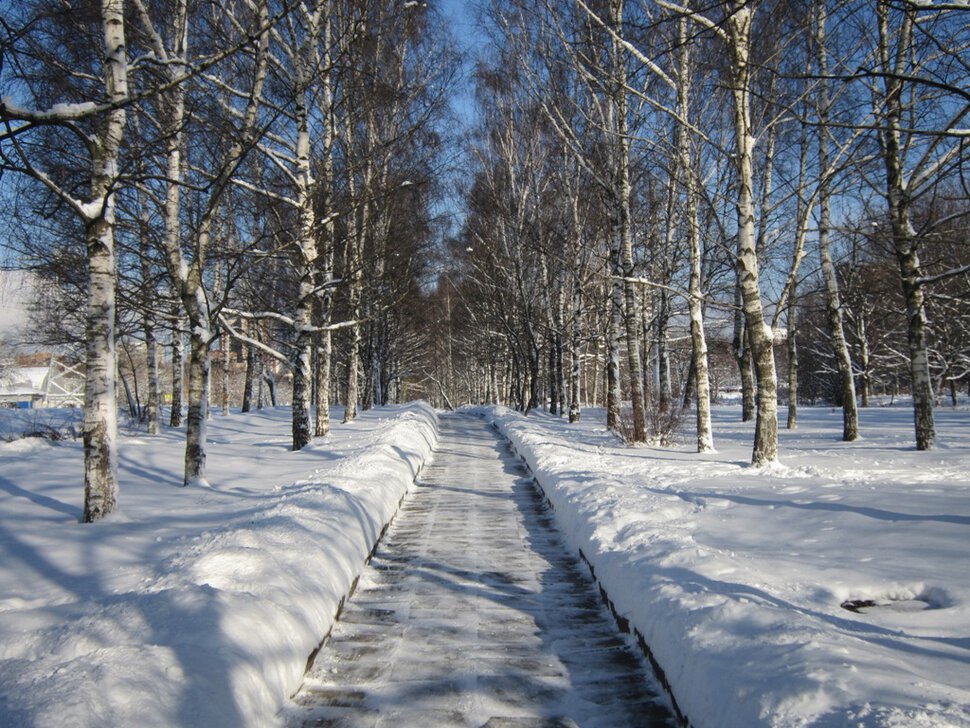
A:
(351, 399)
(198, 410)
(576, 320)
(247, 400)
(200, 337)
(560, 374)
(324, 356)
(178, 365)
(148, 321)
(695, 300)
(662, 326)
(904, 236)
(100, 406)
(325, 340)
(686, 177)
(833, 302)
(864, 360)
(623, 226)
(306, 243)
(151, 356)
(225, 375)
(792, 420)
(765, 449)
(702, 382)
(789, 297)
(551, 375)
(189, 274)
(833, 306)
(575, 358)
(612, 372)
(174, 117)
(742, 354)
(353, 272)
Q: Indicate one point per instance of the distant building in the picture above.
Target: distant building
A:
(58, 384)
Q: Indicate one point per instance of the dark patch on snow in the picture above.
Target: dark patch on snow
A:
(857, 605)
(929, 599)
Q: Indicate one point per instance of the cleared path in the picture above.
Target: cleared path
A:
(472, 613)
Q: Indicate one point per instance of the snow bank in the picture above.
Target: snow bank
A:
(198, 606)
(734, 576)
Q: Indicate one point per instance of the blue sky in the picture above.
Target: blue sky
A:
(462, 13)
(461, 17)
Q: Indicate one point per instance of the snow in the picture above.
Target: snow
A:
(23, 380)
(200, 605)
(72, 111)
(191, 606)
(58, 112)
(734, 575)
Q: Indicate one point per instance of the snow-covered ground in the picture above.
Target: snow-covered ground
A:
(735, 576)
(199, 606)
(192, 606)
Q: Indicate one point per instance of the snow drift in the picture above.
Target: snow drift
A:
(735, 576)
(198, 606)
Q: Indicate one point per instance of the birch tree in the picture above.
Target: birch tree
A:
(685, 181)
(188, 259)
(850, 417)
(296, 55)
(689, 178)
(620, 142)
(736, 33)
(910, 76)
(99, 121)
(734, 30)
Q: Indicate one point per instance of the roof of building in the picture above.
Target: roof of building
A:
(23, 380)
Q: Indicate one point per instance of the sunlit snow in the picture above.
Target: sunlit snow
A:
(199, 606)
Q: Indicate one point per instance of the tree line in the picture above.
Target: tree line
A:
(653, 176)
(659, 199)
(188, 172)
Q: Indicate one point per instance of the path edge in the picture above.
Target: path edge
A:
(622, 623)
(352, 586)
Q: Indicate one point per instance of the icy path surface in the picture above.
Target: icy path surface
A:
(472, 613)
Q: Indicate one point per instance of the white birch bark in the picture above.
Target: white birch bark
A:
(306, 241)
(760, 337)
(178, 365)
(695, 300)
(623, 222)
(100, 407)
(575, 357)
(864, 362)
(576, 319)
(97, 213)
(833, 302)
(325, 340)
(151, 356)
(148, 321)
(612, 367)
(353, 273)
(791, 421)
(893, 55)
(226, 366)
(197, 311)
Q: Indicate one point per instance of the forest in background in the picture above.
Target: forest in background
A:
(656, 203)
